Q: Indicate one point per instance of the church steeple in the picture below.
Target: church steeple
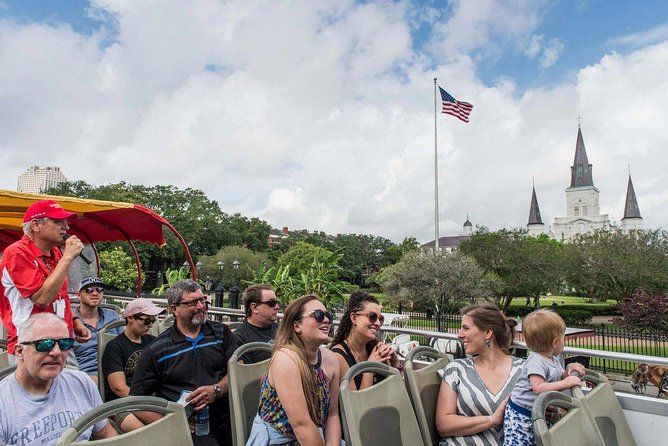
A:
(631, 209)
(581, 171)
(534, 210)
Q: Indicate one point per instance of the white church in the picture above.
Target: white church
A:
(582, 205)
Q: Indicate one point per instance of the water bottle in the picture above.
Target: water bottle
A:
(202, 422)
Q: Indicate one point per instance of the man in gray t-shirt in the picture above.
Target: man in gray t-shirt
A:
(41, 400)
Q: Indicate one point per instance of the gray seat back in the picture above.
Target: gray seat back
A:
(244, 390)
(170, 430)
(103, 338)
(423, 385)
(162, 326)
(576, 427)
(6, 371)
(380, 414)
(606, 410)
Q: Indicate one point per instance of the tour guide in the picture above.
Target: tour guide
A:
(34, 271)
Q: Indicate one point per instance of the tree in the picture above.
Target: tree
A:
(644, 312)
(528, 266)
(118, 269)
(249, 261)
(437, 281)
(300, 257)
(612, 264)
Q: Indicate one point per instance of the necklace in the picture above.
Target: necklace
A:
(358, 359)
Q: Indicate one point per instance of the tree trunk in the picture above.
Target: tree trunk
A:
(506, 304)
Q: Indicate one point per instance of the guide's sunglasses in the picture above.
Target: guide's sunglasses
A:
(46, 345)
(319, 316)
(90, 289)
(146, 320)
(374, 317)
(271, 303)
(193, 303)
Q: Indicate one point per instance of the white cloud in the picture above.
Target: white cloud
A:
(649, 37)
(320, 115)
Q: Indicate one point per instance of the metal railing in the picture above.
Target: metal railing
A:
(429, 334)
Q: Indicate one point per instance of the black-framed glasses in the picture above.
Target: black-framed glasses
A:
(319, 315)
(193, 303)
(146, 320)
(271, 303)
(47, 344)
(90, 289)
(374, 317)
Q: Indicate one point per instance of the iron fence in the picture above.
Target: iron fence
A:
(605, 338)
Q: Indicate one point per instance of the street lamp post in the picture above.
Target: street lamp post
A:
(234, 291)
(220, 288)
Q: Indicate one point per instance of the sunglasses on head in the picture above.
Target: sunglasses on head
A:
(374, 317)
(90, 289)
(271, 303)
(146, 320)
(46, 345)
(319, 315)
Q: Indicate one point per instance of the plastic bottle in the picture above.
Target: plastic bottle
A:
(202, 422)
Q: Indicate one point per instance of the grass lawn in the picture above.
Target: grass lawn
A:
(546, 301)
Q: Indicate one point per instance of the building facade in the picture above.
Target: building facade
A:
(582, 203)
(37, 179)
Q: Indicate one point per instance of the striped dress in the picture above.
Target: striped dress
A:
(474, 399)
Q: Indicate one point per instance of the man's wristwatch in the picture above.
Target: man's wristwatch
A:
(218, 390)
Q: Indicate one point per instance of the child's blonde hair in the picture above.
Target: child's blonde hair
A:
(541, 328)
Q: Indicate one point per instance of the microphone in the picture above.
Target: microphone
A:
(81, 254)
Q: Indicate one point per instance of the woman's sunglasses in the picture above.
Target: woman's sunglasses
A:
(46, 345)
(319, 315)
(374, 317)
(271, 303)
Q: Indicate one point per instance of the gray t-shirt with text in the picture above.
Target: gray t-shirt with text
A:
(31, 420)
(536, 364)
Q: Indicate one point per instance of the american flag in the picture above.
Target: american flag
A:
(456, 108)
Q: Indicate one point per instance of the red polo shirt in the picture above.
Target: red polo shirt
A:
(24, 269)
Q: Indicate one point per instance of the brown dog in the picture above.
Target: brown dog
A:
(655, 374)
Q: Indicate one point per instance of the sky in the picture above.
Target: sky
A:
(320, 115)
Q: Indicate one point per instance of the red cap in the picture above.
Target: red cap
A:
(47, 209)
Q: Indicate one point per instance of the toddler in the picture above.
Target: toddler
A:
(543, 332)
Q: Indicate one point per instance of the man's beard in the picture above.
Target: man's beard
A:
(198, 319)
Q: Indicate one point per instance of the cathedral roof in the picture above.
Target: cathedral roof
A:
(631, 209)
(467, 223)
(534, 211)
(581, 171)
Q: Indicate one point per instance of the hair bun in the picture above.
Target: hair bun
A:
(512, 323)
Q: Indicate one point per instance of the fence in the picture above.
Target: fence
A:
(605, 338)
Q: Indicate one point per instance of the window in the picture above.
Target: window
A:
(576, 210)
(584, 209)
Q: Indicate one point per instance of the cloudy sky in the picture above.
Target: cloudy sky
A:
(320, 114)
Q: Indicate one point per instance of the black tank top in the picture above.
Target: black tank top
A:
(350, 360)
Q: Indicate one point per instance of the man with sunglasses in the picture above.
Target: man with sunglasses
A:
(91, 295)
(260, 325)
(34, 271)
(42, 399)
(123, 352)
(190, 356)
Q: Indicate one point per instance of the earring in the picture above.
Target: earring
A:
(489, 344)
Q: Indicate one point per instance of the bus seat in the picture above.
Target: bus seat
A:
(381, 414)
(454, 349)
(577, 427)
(6, 371)
(423, 385)
(103, 338)
(170, 430)
(244, 390)
(606, 410)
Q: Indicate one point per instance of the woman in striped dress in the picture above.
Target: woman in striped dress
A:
(475, 390)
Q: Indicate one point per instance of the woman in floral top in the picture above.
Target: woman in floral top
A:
(299, 393)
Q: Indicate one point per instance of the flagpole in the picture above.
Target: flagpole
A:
(436, 232)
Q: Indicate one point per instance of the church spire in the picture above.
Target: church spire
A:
(534, 211)
(631, 209)
(581, 171)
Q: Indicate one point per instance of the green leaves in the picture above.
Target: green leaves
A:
(118, 269)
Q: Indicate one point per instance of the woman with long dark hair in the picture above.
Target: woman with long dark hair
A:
(356, 339)
(299, 393)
